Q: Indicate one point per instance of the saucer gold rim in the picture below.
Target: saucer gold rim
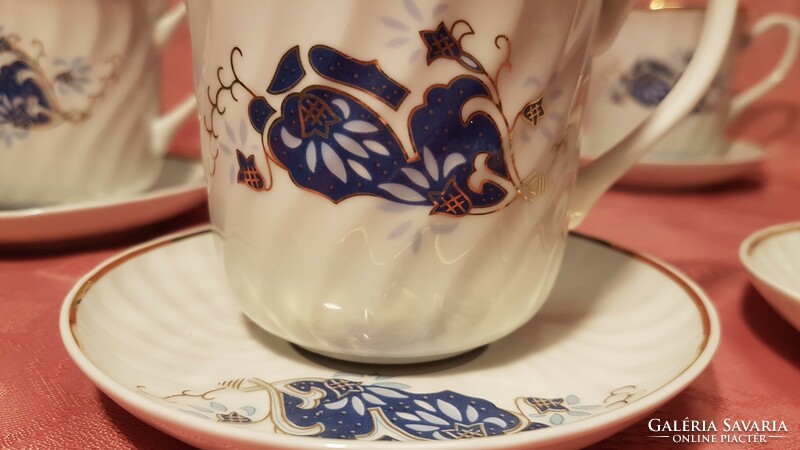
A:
(759, 276)
(572, 435)
(745, 160)
(41, 225)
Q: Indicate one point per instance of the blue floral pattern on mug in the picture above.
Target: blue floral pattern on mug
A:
(333, 144)
(650, 80)
(31, 99)
(349, 407)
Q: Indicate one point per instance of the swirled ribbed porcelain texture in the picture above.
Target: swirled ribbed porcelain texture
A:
(772, 258)
(78, 96)
(158, 330)
(336, 235)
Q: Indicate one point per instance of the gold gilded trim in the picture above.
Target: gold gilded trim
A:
(678, 5)
(112, 264)
(661, 267)
(756, 273)
(696, 364)
(656, 5)
(670, 273)
(759, 237)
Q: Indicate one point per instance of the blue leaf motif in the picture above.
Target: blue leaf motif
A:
(289, 140)
(337, 405)
(417, 177)
(349, 150)
(25, 98)
(343, 107)
(431, 418)
(402, 192)
(242, 133)
(423, 428)
(358, 406)
(424, 404)
(218, 406)
(290, 72)
(416, 244)
(334, 163)
(431, 165)
(369, 398)
(367, 76)
(259, 111)
(470, 63)
(398, 42)
(347, 417)
(360, 127)
(413, 10)
(449, 409)
(415, 55)
(229, 131)
(391, 22)
(311, 157)
(389, 389)
(200, 408)
(359, 170)
(452, 162)
(496, 421)
(472, 414)
(407, 416)
(356, 156)
(376, 147)
(351, 145)
(449, 145)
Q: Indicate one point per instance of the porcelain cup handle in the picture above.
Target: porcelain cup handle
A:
(596, 177)
(612, 16)
(164, 128)
(766, 84)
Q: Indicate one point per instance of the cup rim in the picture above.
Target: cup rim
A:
(679, 6)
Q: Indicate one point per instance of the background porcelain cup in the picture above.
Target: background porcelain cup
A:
(641, 67)
(393, 181)
(80, 98)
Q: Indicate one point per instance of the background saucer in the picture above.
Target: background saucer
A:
(743, 159)
(158, 331)
(180, 186)
(772, 259)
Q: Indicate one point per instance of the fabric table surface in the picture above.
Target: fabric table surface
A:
(48, 403)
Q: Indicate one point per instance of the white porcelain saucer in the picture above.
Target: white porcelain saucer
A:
(772, 259)
(156, 329)
(180, 186)
(742, 159)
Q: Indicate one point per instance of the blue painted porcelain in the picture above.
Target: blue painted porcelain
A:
(29, 96)
(332, 144)
(351, 408)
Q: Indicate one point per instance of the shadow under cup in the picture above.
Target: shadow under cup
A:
(389, 181)
(79, 94)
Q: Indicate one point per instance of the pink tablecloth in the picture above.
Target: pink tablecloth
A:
(48, 403)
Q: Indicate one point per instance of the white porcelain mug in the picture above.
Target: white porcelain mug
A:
(635, 74)
(393, 181)
(80, 98)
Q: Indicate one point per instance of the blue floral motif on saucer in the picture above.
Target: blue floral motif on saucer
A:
(355, 409)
